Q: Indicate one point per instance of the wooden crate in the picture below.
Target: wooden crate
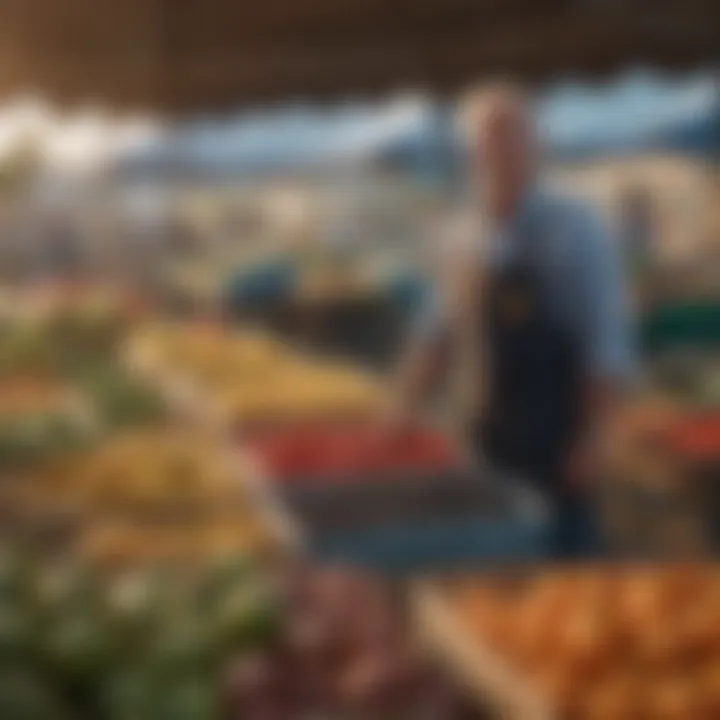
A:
(494, 685)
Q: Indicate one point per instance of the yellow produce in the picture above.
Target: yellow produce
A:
(125, 543)
(250, 377)
(147, 470)
(160, 494)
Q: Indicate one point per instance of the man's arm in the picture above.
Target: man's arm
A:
(436, 337)
(607, 342)
(423, 362)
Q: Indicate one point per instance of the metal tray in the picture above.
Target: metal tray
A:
(497, 523)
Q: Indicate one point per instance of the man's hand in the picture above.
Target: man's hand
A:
(396, 419)
(585, 465)
(589, 461)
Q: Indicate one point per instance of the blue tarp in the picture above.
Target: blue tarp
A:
(644, 113)
(639, 113)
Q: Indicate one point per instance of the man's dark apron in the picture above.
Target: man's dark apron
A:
(533, 408)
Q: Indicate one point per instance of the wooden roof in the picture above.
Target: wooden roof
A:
(195, 55)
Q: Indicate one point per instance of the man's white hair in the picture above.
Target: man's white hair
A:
(477, 102)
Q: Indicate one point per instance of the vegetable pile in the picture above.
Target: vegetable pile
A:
(40, 417)
(224, 641)
(62, 381)
(351, 450)
(250, 379)
(133, 587)
(344, 651)
(691, 378)
(119, 399)
(622, 642)
(147, 469)
(156, 493)
(78, 645)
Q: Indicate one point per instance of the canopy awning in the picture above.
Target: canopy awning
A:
(183, 56)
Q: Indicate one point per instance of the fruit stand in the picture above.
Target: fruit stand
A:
(170, 549)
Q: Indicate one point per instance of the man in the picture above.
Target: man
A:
(535, 311)
(638, 228)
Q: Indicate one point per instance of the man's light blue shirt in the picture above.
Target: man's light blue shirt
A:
(581, 273)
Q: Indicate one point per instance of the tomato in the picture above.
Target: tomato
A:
(351, 451)
(340, 457)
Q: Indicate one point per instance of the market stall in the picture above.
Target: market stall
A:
(174, 528)
(156, 519)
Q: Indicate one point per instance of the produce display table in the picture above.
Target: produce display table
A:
(694, 445)
(167, 493)
(149, 552)
(491, 524)
(661, 499)
(495, 686)
(405, 504)
(94, 461)
(255, 456)
(235, 380)
(418, 507)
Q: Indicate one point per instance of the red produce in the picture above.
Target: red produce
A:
(251, 678)
(696, 439)
(292, 457)
(347, 451)
(345, 652)
(342, 455)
